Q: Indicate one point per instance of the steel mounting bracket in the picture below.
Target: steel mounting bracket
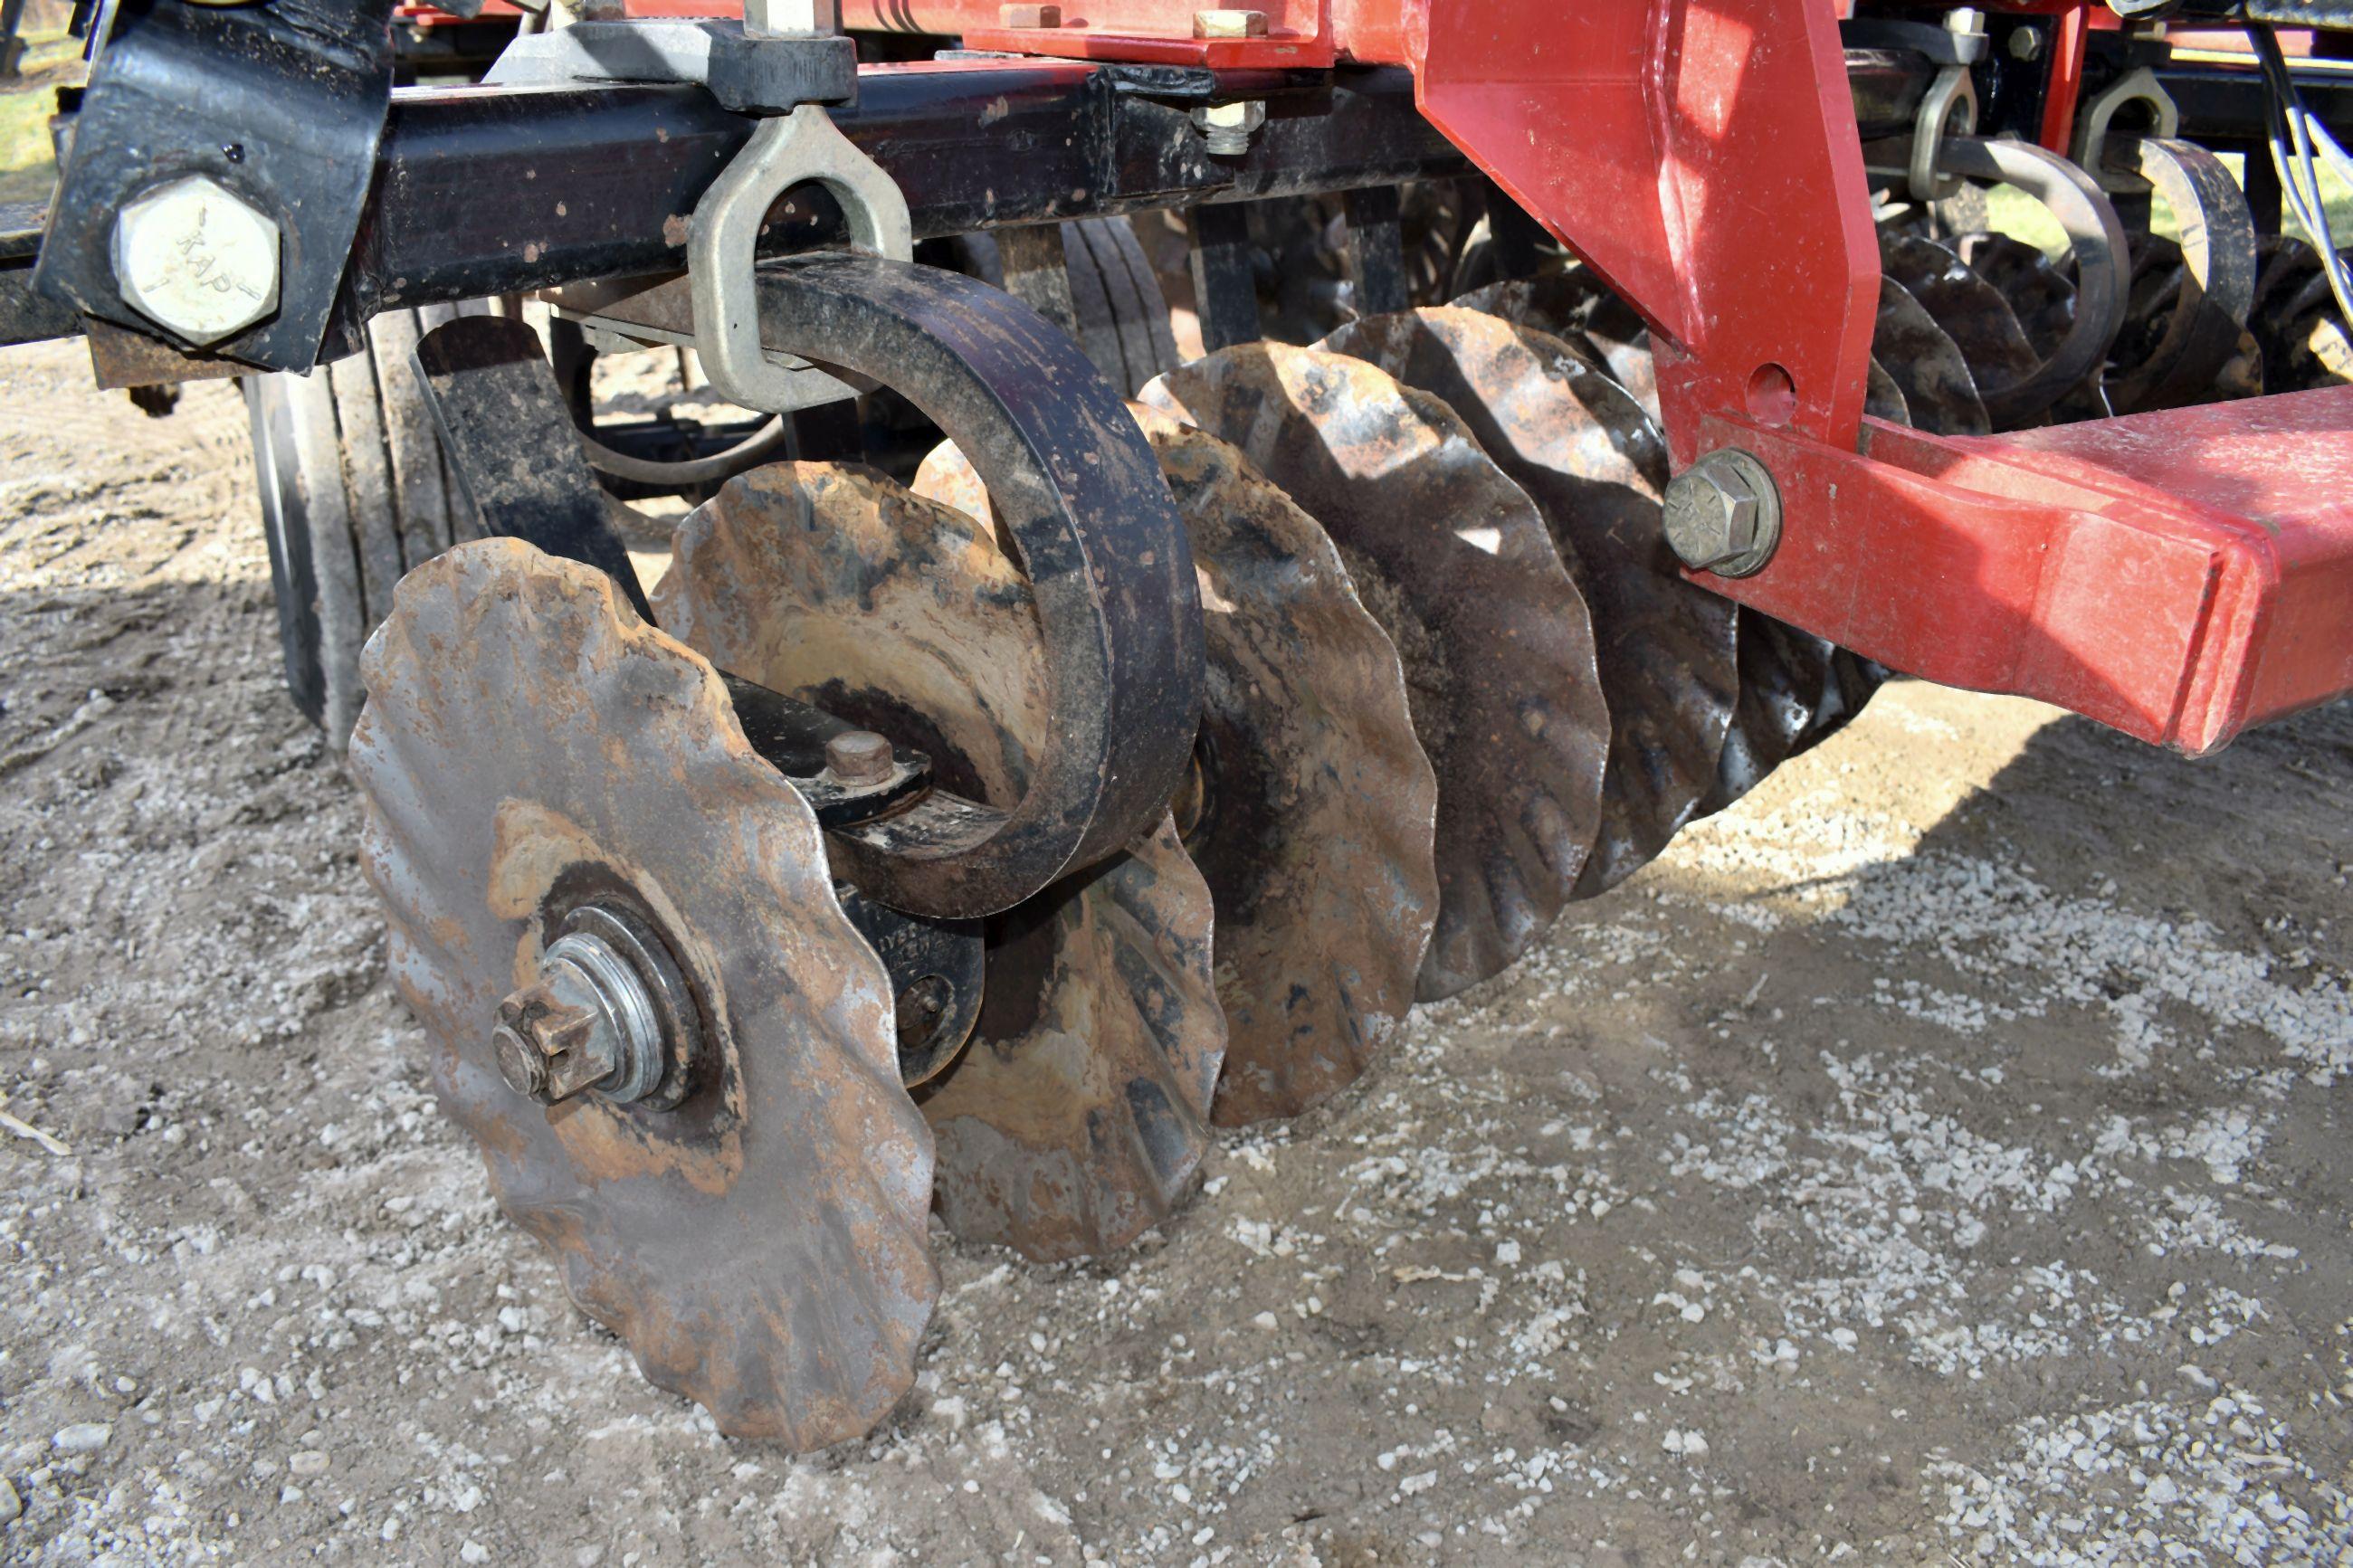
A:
(803, 147)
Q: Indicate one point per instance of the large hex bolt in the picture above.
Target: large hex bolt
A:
(191, 256)
(1724, 514)
(860, 757)
(588, 1023)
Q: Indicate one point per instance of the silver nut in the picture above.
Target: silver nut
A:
(1226, 127)
(792, 18)
(191, 256)
(1724, 514)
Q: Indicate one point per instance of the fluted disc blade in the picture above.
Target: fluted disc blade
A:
(1853, 679)
(1794, 686)
(1593, 322)
(1939, 392)
(761, 1248)
(1882, 398)
(1312, 809)
(1785, 677)
(1079, 1110)
(1783, 673)
(2043, 296)
(1596, 465)
(1972, 311)
(1454, 560)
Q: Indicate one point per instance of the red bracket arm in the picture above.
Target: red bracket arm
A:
(1702, 156)
(2179, 575)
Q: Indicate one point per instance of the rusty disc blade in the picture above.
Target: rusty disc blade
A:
(1939, 392)
(2042, 296)
(528, 741)
(1972, 311)
(1078, 1112)
(1596, 466)
(1794, 686)
(1853, 680)
(947, 476)
(1455, 563)
(1784, 675)
(1312, 808)
(1572, 307)
(1882, 397)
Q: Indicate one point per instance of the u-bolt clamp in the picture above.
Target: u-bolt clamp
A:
(803, 147)
(1949, 108)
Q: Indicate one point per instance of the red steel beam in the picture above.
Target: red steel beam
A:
(2179, 576)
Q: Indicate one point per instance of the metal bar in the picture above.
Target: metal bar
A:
(12, 47)
(1517, 237)
(1037, 273)
(1376, 250)
(510, 440)
(1225, 285)
(2179, 575)
(2264, 197)
(2226, 102)
(621, 167)
(2065, 84)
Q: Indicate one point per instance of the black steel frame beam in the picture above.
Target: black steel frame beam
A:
(2226, 103)
(485, 191)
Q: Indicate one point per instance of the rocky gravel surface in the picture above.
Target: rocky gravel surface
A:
(1942, 1157)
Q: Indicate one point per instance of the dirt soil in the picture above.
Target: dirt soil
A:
(1942, 1157)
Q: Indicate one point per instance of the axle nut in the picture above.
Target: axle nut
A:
(191, 256)
(1724, 514)
(588, 1023)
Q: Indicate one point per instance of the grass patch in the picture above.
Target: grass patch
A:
(28, 169)
(2014, 213)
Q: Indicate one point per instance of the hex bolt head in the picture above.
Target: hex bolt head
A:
(1029, 16)
(2025, 44)
(191, 256)
(1724, 514)
(860, 757)
(1230, 24)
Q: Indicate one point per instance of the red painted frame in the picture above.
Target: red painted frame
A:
(2179, 576)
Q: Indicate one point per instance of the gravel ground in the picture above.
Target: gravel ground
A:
(1942, 1157)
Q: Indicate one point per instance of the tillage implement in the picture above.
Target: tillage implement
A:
(1218, 525)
